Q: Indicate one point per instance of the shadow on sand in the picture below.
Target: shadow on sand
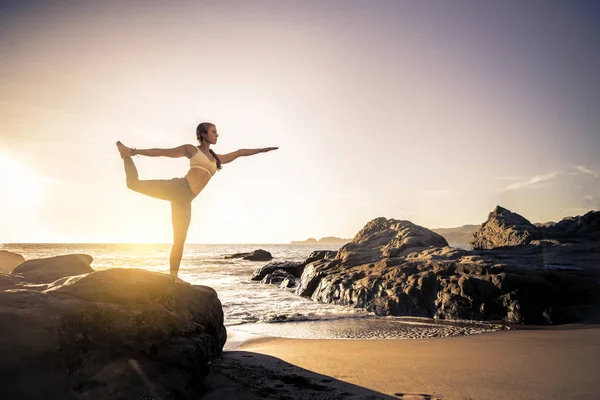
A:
(243, 375)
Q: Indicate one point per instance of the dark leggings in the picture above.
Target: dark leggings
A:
(175, 190)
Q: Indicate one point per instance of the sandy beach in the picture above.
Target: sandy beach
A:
(527, 363)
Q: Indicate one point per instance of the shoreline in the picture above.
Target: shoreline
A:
(532, 362)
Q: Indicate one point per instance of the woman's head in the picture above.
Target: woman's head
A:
(207, 132)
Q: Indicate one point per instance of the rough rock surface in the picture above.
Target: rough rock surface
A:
(397, 268)
(293, 267)
(45, 270)
(504, 228)
(9, 260)
(118, 333)
(276, 277)
(382, 238)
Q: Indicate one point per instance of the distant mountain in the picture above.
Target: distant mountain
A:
(325, 240)
(545, 224)
(460, 235)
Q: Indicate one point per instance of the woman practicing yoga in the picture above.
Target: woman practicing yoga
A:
(204, 163)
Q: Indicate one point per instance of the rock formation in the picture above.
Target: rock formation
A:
(117, 333)
(9, 260)
(395, 267)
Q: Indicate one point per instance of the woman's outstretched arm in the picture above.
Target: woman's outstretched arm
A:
(185, 150)
(229, 157)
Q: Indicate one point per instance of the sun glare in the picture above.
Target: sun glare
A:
(21, 188)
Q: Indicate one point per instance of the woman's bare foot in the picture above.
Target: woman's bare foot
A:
(177, 279)
(124, 150)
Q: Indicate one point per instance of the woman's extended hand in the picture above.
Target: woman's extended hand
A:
(269, 149)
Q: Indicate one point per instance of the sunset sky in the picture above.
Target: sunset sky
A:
(433, 112)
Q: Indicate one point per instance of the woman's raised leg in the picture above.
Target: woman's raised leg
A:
(158, 188)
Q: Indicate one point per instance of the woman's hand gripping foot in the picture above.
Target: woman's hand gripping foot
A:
(124, 150)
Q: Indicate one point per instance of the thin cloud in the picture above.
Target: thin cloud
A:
(532, 181)
(586, 171)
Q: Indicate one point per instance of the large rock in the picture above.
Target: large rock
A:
(382, 237)
(9, 260)
(46, 270)
(584, 226)
(504, 228)
(117, 333)
(395, 268)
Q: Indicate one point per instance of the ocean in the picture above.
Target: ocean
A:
(250, 306)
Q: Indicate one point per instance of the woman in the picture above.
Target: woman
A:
(204, 163)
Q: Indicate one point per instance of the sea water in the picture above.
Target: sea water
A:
(248, 305)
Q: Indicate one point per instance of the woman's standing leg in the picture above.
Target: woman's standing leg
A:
(181, 212)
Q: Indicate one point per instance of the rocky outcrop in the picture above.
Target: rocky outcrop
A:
(383, 238)
(504, 228)
(44, 270)
(9, 260)
(398, 268)
(256, 255)
(118, 333)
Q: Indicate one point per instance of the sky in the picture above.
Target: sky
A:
(433, 112)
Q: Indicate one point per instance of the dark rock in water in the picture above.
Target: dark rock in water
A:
(46, 270)
(276, 277)
(293, 267)
(9, 260)
(256, 255)
(396, 268)
(117, 333)
(288, 282)
(504, 228)
(319, 255)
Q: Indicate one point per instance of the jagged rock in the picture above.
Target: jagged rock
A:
(256, 255)
(504, 228)
(46, 270)
(507, 229)
(293, 267)
(9, 260)
(117, 333)
(393, 268)
(276, 277)
(583, 226)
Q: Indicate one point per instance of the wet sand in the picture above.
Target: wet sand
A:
(534, 363)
